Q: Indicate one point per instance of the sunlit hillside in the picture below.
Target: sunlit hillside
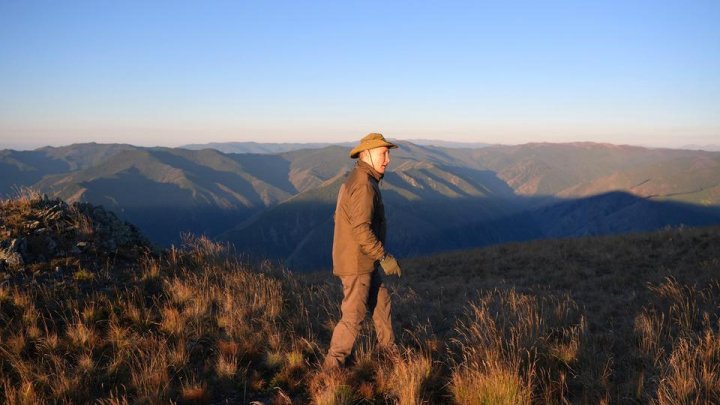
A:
(631, 318)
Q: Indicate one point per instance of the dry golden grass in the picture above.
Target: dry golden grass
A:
(513, 345)
(332, 388)
(23, 198)
(489, 383)
(194, 391)
(633, 297)
(601, 320)
(685, 350)
(408, 378)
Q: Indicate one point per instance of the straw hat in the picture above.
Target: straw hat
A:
(371, 141)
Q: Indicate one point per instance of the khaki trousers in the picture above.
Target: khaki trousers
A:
(361, 294)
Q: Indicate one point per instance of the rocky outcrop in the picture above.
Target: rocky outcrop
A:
(36, 232)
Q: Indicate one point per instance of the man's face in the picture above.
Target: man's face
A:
(379, 158)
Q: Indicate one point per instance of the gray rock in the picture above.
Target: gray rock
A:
(14, 259)
(51, 245)
(18, 245)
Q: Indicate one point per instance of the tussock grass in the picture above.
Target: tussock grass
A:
(680, 340)
(409, 378)
(601, 320)
(513, 345)
(332, 388)
(489, 383)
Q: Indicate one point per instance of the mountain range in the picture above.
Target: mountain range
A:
(278, 202)
(269, 148)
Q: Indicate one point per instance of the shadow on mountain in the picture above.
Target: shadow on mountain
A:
(165, 209)
(165, 225)
(26, 168)
(301, 235)
(619, 212)
(301, 232)
(272, 169)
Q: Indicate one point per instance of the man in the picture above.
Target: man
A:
(359, 249)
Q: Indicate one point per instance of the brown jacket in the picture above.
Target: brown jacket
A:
(359, 238)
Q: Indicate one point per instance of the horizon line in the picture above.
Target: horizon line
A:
(416, 141)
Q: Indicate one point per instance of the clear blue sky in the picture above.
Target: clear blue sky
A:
(170, 73)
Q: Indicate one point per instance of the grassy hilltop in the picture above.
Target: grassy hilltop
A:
(104, 318)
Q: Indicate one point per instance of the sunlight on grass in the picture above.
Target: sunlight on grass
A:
(197, 324)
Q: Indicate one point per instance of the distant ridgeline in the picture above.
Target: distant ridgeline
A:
(278, 203)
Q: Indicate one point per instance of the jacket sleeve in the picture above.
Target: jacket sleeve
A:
(361, 212)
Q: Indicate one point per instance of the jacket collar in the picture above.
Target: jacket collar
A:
(369, 170)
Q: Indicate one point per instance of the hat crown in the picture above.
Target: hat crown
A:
(374, 136)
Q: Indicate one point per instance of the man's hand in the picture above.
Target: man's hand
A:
(390, 265)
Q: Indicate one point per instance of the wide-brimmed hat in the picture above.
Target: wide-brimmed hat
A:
(371, 141)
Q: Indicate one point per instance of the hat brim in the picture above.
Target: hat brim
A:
(378, 143)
